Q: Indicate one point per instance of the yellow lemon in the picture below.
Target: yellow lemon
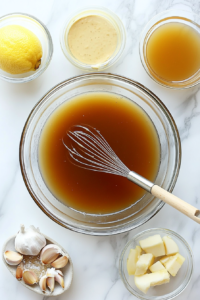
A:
(20, 50)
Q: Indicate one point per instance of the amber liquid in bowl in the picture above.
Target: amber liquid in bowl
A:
(130, 133)
(173, 52)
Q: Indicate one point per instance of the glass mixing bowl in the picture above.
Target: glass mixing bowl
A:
(100, 224)
(176, 285)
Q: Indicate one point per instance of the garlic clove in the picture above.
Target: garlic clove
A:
(19, 271)
(43, 283)
(49, 253)
(12, 258)
(57, 274)
(59, 278)
(60, 262)
(29, 241)
(51, 283)
(30, 277)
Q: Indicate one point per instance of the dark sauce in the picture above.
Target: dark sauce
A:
(127, 129)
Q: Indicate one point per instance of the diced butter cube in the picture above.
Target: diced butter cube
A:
(132, 260)
(164, 259)
(174, 263)
(159, 278)
(143, 263)
(156, 267)
(139, 250)
(144, 282)
(170, 246)
(154, 245)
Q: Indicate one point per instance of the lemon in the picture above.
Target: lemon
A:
(20, 50)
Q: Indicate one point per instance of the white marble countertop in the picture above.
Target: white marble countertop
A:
(95, 259)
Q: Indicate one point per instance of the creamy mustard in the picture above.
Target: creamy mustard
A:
(92, 39)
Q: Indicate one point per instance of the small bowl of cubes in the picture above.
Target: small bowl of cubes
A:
(156, 264)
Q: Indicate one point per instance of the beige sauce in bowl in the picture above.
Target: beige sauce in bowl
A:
(92, 39)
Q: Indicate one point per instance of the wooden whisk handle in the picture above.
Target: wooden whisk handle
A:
(184, 207)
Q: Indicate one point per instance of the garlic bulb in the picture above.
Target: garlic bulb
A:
(29, 241)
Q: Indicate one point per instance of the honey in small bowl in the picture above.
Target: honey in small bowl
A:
(173, 51)
(170, 49)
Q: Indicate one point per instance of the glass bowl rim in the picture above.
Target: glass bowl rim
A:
(50, 47)
(167, 231)
(113, 59)
(45, 98)
(149, 25)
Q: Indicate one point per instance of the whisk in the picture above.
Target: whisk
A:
(89, 150)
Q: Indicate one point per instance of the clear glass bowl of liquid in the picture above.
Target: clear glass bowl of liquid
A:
(83, 221)
(169, 49)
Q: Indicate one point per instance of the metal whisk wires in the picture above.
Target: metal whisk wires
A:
(89, 150)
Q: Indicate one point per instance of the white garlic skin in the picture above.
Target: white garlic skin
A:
(29, 241)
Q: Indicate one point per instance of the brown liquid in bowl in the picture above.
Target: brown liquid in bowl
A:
(127, 129)
(173, 51)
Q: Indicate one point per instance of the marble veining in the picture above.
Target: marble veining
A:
(95, 259)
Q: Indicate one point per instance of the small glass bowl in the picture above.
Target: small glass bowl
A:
(108, 15)
(40, 30)
(169, 16)
(166, 291)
